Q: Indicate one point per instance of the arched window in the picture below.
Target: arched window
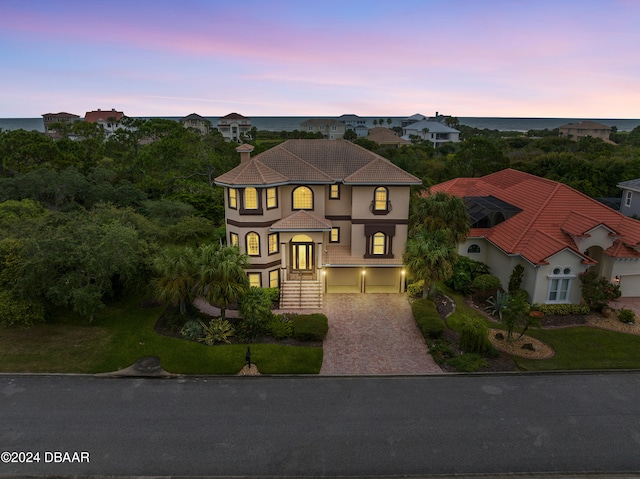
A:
(474, 248)
(380, 200)
(250, 198)
(560, 281)
(379, 245)
(302, 198)
(253, 244)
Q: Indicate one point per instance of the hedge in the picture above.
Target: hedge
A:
(428, 318)
(562, 309)
(310, 327)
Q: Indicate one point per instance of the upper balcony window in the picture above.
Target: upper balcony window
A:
(272, 198)
(233, 198)
(334, 193)
(381, 204)
(302, 198)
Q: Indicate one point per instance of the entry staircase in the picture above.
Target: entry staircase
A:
(301, 294)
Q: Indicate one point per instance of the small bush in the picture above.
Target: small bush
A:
(279, 327)
(217, 331)
(310, 327)
(428, 319)
(469, 362)
(484, 286)
(273, 294)
(465, 270)
(627, 316)
(474, 335)
(441, 350)
(414, 290)
(562, 309)
(191, 330)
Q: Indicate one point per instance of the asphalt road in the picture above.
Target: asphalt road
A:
(320, 426)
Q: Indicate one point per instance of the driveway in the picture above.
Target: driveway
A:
(373, 334)
(628, 302)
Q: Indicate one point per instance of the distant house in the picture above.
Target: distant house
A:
(109, 119)
(355, 123)
(630, 203)
(62, 117)
(577, 131)
(318, 216)
(552, 230)
(386, 137)
(196, 122)
(329, 128)
(233, 125)
(412, 119)
(432, 131)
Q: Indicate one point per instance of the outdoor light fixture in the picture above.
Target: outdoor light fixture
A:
(617, 280)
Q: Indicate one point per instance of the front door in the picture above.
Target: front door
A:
(302, 257)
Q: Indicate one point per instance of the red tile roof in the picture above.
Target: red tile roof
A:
(552, 215)
(104, 115)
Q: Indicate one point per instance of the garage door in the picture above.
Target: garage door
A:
(382, 280)
(630, 285)
(343, 280)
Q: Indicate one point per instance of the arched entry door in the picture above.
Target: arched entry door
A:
(302, 257)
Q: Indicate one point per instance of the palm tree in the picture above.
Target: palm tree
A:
(176, 282)
(429, 256)
(221, 276)
(440, 211)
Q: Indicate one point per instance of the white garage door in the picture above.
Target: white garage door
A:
(630, 285)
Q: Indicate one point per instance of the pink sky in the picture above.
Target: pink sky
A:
(511, 58)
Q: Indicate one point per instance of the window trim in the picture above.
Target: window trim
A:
(255, 190)
(277, 272)
(293, 198)
(275, 197)
(337, 229)
(628, 198)
(251, 211)
(277, 243)
(246, 243)
(374, 204)
(560, 278)
(335, 196)
(232, 200)
(475, 247)
(233, 236)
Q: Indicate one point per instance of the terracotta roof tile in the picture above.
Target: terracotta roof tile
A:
(104, 115)
(251, 173)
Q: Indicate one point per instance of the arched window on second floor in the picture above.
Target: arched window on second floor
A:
(380, 204)
(253, 244)
(302, 198)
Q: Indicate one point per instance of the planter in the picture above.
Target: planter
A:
(606, 312)
(536, 314)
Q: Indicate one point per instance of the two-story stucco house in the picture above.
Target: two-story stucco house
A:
(577, 131)
(432, 131)
(196, 122)
(233, 125)
(330, 128)
(318, 216)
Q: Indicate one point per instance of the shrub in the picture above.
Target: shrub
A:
(217, 331)
(279, 327)
(465, 270)
(191, 330)
(474, 335)
(597, 291)
(627, 316)
(428, 319)
(515, 280)
(273, 294)
(484, 286)
(441, 350)
(414, 290)
(562, 309)
(469, 362)
(310, 327)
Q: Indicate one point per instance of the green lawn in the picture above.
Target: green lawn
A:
(577, 348)
(124, 333)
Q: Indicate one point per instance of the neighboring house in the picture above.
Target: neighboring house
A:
(329, 128)
(62, 117)
(552, 230)
(386, 137)
(109, 119)
(432, 131)
(328, 215)
(233, 125)
(355, 123)
(412, 119)
(577, 131)
(196, 122)
(630, 203)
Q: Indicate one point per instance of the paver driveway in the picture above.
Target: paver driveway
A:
(373, 334)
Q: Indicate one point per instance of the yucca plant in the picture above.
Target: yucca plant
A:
(217, 331)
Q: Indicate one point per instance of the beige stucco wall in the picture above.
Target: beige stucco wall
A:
(362, 196)
(562, 259)
(286, 198)
(341, 207)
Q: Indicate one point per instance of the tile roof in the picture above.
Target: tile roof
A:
(104, 115)
(385, 136)
(233, 116)
(585, 125)
(433, 126)
(251, 173)
(302, 221)
(341, 256)
(552, 215)
(319, 161)
(193, 116)
(630, 184)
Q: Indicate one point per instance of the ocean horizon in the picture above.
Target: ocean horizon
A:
(290, 123)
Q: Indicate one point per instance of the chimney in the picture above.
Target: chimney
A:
(245, 152)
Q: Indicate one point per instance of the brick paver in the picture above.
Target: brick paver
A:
(632, 303)
(373, 334)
